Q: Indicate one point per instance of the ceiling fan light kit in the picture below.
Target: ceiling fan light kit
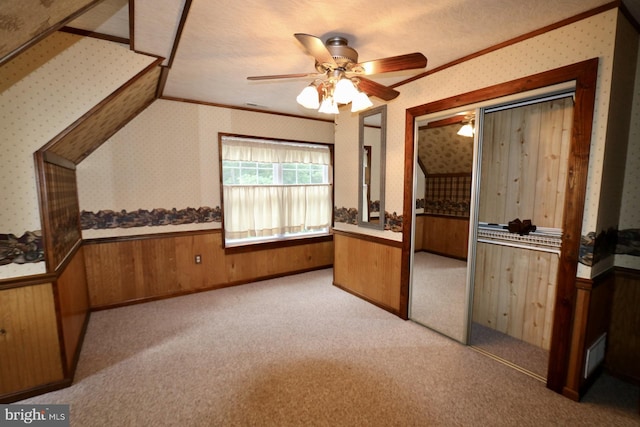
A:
(309, 97)
(343, 80)
(325, 96)
(360, 102)
(468, 129)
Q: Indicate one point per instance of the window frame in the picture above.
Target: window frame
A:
(276, 242)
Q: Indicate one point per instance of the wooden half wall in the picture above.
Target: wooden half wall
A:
(368, 267)
(442, 235)
(128, 270)
(28, 339)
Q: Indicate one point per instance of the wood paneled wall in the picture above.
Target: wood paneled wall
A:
(524, 163)
(73, 302)
(623, 352)
(29, 351)
(60, 210)
(124, 271)
(514, 292)
(369, 268)
(448, 236)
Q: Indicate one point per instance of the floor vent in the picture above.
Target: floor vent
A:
(595, 355)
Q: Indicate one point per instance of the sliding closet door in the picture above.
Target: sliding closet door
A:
(524, 161)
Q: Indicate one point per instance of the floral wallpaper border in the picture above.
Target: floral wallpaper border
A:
(21, 250)
(594, 248)
(29, 247)
(105, 219)
(393, 222)
(448, 207)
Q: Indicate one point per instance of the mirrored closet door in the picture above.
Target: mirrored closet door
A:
(443, 169)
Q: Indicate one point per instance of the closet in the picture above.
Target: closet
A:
(524, 150)
(497, 290)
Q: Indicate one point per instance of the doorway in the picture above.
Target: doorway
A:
(582, 76)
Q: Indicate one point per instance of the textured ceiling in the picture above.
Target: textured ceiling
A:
(225, 42)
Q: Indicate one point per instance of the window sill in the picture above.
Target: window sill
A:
(275, 244)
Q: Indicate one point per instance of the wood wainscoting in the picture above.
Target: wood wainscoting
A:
(29, 348)
(73, 302)
(43, 318)
(127, 270)
(442, 235)
(368, 267)
(623, 350)
(42, 324)
(608, 304)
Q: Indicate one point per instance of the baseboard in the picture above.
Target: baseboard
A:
(571, 394)
(367, 299)
(76, 356)
(206, 289)
(35, 391)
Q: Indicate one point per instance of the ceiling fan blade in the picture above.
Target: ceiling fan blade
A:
(376, 89)
(316, 48)
(394, 63)
(284, 76)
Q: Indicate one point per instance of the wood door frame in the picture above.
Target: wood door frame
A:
(585, 75)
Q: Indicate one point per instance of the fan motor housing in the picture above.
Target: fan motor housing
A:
(344, 55)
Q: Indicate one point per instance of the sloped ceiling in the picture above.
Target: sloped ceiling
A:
(210, 47)
(26, 21)
(94, 128)
(442, 151)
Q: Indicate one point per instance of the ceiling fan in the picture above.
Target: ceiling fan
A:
(337, 61)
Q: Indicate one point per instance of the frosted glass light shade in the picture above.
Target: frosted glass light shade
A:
(344, 91)
(360, 102)
(328, 106)
(466, 130)
(309, 98)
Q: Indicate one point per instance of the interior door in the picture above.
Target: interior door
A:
(524, 161)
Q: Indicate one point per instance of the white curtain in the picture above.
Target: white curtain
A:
(271, 210)
(262, 211)
(255, 150)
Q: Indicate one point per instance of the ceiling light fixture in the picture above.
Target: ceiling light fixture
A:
(468, 128)
(325, 95)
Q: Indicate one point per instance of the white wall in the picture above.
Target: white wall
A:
(42, 92)
(167, 157)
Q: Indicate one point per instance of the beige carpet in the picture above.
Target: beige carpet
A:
(298, 351)
(438, 294)
(526, 356)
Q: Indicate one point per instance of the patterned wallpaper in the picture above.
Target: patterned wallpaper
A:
(586, 39)
(630, 209)
(167, 158)
(151, 164)
(43, 91)
(442, 150)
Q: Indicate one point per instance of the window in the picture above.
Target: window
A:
(274, 190)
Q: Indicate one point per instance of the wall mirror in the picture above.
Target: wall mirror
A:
(371, 181)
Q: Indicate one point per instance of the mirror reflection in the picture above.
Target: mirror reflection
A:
(441, 233)
(372, 142)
